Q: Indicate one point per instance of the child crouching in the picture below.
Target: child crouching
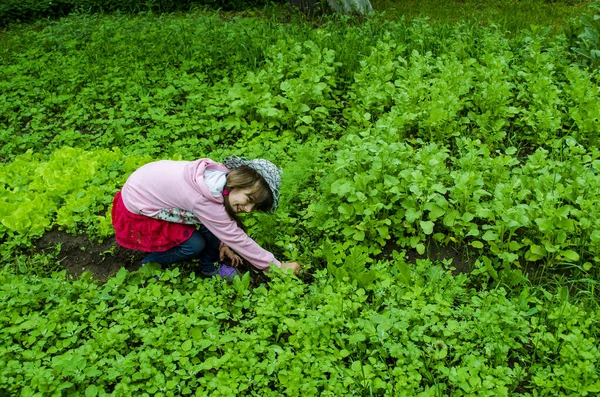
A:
(180, 210)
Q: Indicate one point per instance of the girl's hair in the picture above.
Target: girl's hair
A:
(245, 177)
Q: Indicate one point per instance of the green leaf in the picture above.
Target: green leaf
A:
(435, 211)
(186, 346)
(306, 119)
(477, 244)
(357, 338)
(346, 209)
(269, 112)
(544, 224)
(359, 235)
(91, 391)
(490, 236)
(196, 333)
(412, 214)
(468, 217)
(384, 232)
(403, 273)
(427, 227)
(535, 252)
(341, 187)
(570, 255)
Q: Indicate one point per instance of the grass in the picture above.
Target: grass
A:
(510, 15)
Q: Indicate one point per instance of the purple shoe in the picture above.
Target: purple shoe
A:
(228, 272)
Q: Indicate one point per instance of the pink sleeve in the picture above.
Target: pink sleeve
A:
(215, 219)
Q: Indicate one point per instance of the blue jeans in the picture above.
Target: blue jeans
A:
(202, 245)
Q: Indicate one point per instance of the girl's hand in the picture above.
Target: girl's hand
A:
(225, 251)
(295, 266)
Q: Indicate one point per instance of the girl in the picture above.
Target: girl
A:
(179, 210)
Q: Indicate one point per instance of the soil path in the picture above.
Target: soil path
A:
(78, 254)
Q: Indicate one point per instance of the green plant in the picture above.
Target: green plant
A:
(587, 44)
(393, 135)
(416, 330)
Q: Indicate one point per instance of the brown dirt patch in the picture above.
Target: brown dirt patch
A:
(78, 254)
(462, 260)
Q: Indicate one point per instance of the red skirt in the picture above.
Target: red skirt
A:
(139, 232)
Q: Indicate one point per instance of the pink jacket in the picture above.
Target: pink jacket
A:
(179, 185)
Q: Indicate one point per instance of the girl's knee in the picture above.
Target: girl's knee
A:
(194, 245)
(211, 241)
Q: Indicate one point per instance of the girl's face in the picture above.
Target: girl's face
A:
(241, 200)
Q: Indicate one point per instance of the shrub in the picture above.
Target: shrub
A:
(29, 10)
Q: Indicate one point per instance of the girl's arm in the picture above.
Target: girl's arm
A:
(225, 251)
(215, 219)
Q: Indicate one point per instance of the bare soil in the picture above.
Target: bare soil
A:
(78, 254)
(459, 258)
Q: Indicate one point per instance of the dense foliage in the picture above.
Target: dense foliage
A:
(419, 131)
(392, 136)
(419, 331)
(12, 11)
(586, 44)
